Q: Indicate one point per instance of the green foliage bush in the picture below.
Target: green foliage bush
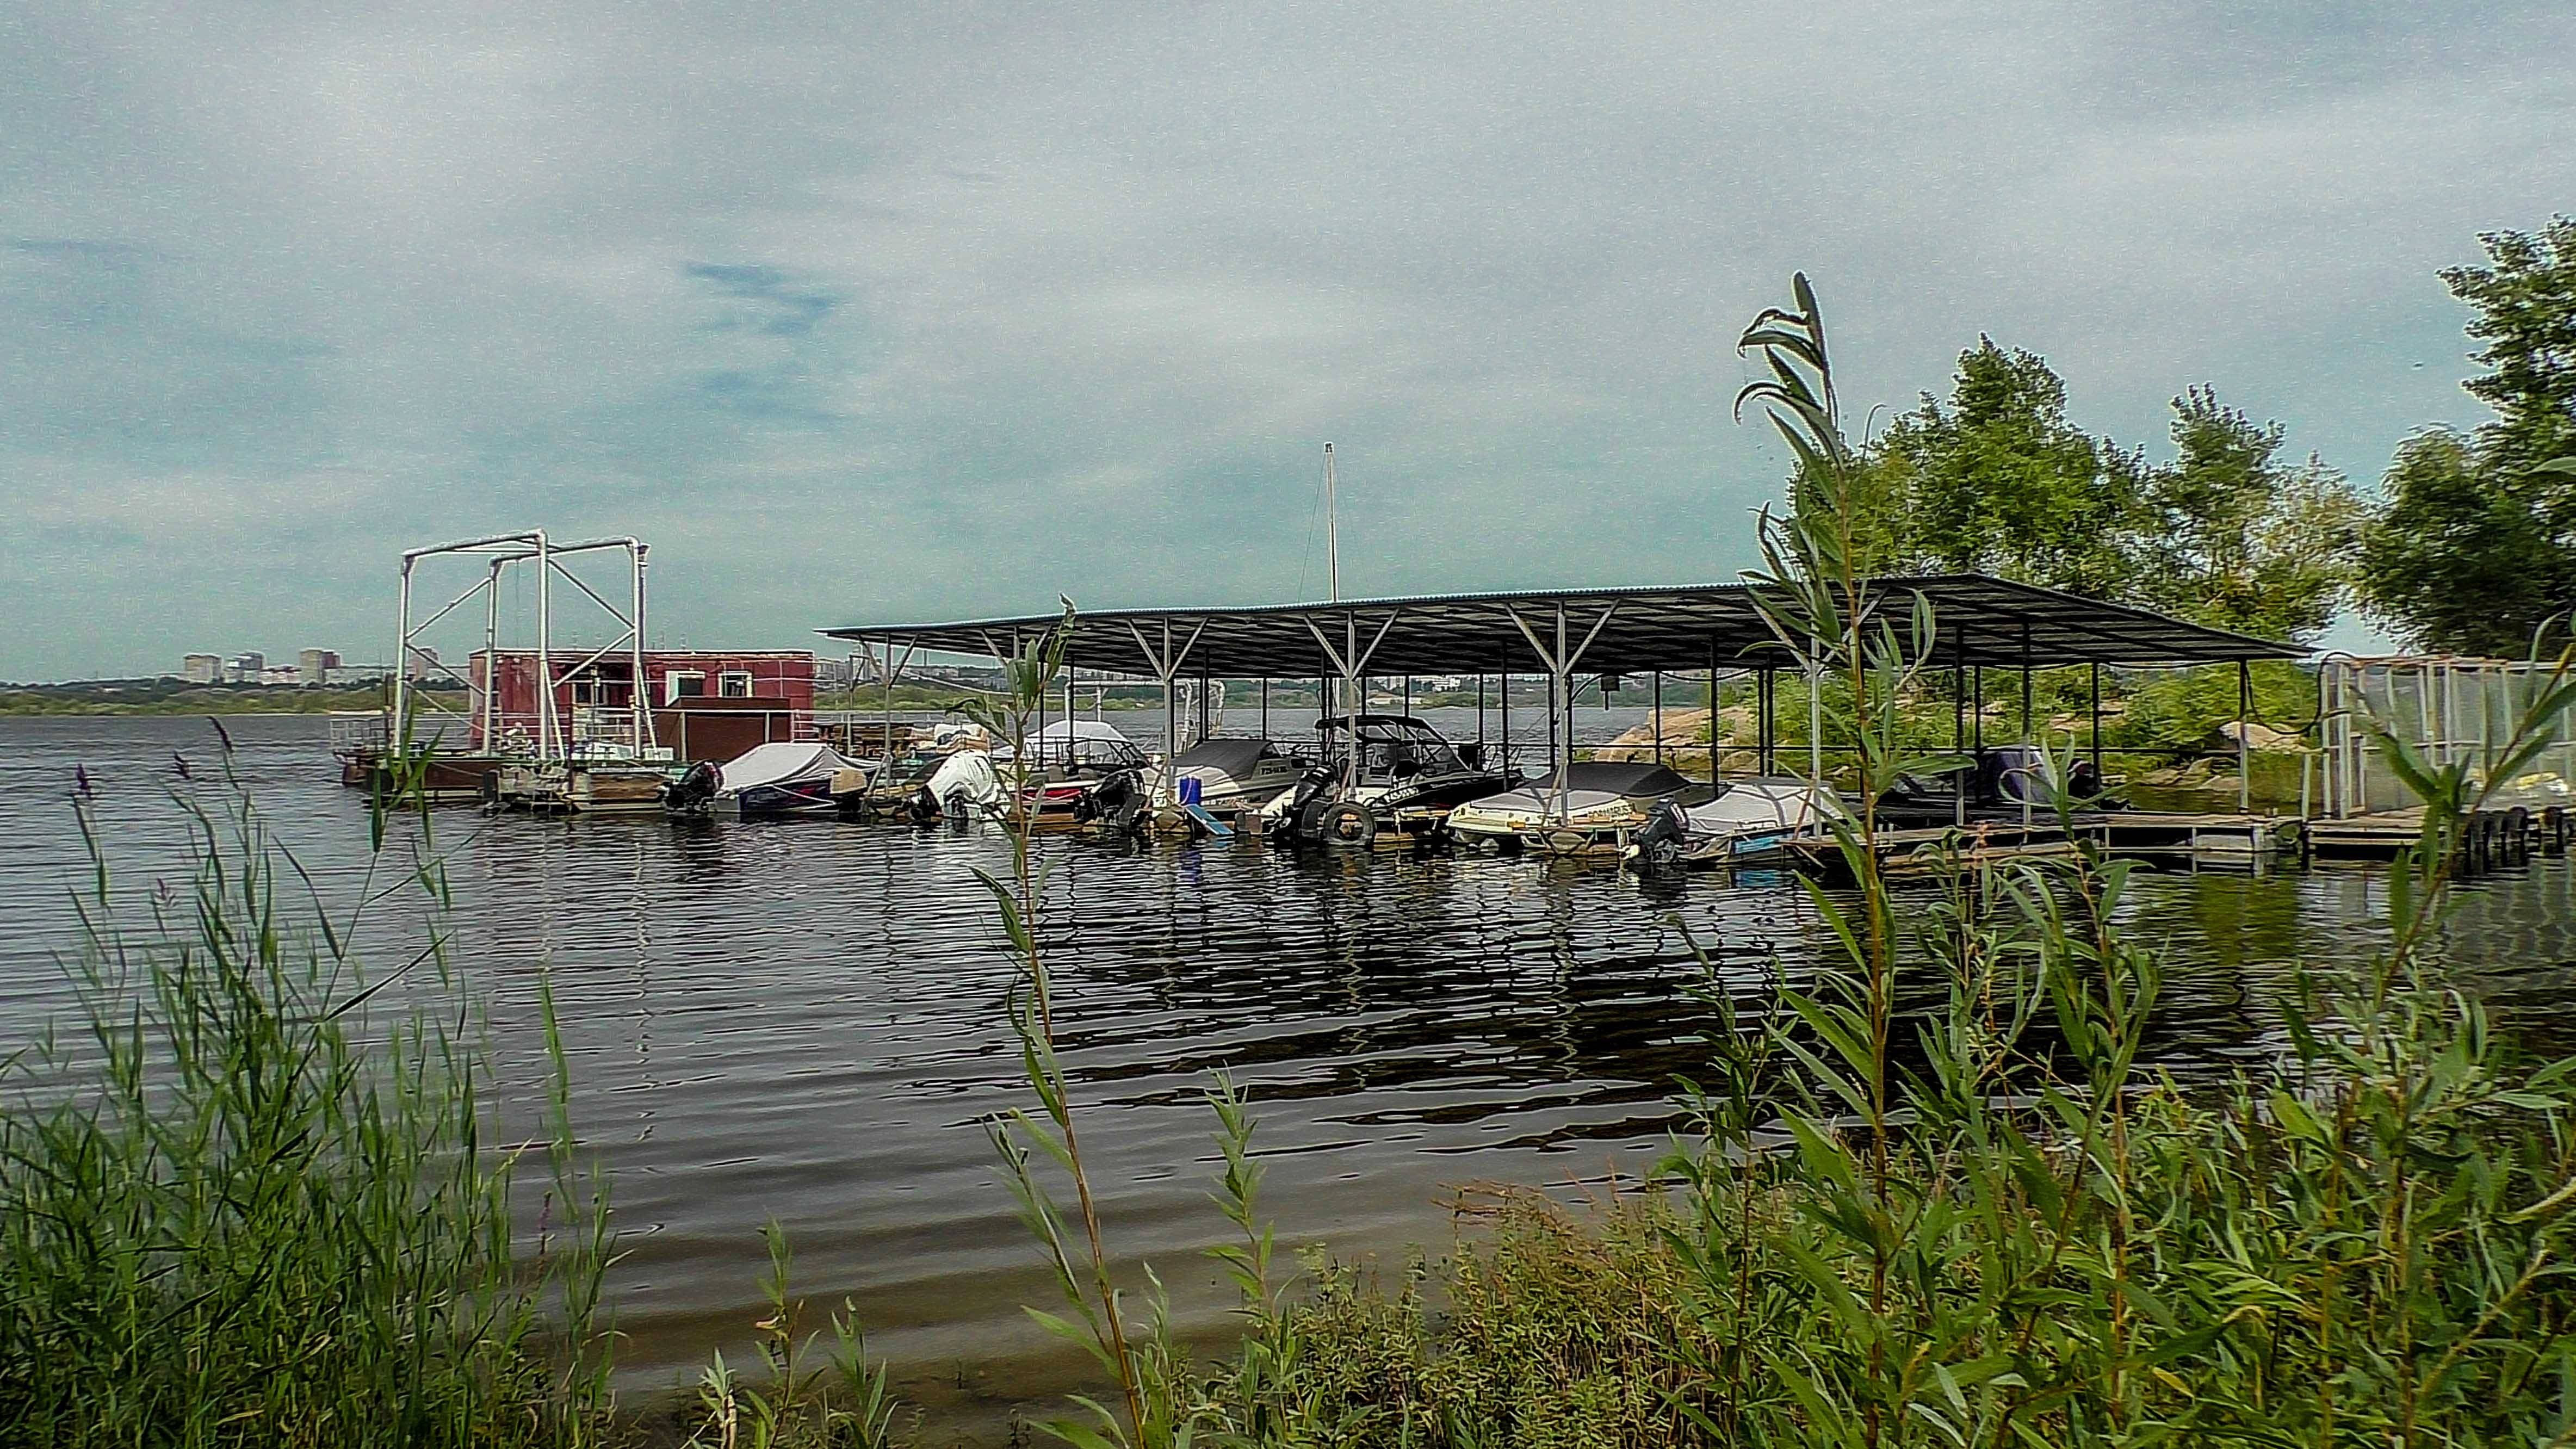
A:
(238, 1209)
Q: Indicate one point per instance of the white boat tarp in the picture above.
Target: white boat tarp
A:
(1083, 742)
(786, 762)
(1760, 805)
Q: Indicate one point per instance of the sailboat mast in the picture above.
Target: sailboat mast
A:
(1332, 528)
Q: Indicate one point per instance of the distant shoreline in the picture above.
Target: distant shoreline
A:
(74, 703)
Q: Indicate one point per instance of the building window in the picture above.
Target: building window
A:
(734, 684)
(684, 684)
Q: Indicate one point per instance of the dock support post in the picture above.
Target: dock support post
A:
(1766, 691)
(1552, 713)
(2244, 734)
(1480, 715)
(1964, 779)
(2026, 736)
(1659, 716)
(1505, 681)
(1816, 723)
(1265, 706)
(2096, 705)
(1205, 714)
(1977, 713)
(1713, 741)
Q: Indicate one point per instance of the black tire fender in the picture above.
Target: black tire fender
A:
(1347, 824)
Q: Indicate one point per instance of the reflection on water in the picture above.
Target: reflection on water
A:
(805, 1021)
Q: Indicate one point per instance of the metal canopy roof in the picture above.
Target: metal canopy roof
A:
(1987, 621)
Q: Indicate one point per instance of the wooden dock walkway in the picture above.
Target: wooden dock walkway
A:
(2488, 838)
(2233, 841)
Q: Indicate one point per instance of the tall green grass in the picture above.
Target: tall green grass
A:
(248, 1200)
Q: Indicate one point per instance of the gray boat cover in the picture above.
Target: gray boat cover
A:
(1225, 757)
(1632, 778)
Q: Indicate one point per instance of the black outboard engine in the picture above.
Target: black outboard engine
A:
(695, 791)
(1104, 800)
(921, 807)
(1660, 841)
(1306, 805)
(2013, 775)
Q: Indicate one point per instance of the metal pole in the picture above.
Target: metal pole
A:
(1965, 778)
(1565, 702)
(1506, 683)
(1551, 719)
(1815, 723)
(2025, 683)
(1171, 723)
(1265, 706)
(1659, 716)
(2244, 736)
(396, 732)
(2096, 704)
(885, 741)
(1480, 714)
(1332, 528)
(642, 706)
(1353, 695)
(1408, 696)
(549, 728)
(1713, 743)
(1203, 701)
(491, 648)
(2025, 726)
(1762, 720)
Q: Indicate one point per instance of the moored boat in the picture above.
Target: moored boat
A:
(1589, 807)
(1227, 774)
(1381, 774)
(1749, 822)
(805, 777)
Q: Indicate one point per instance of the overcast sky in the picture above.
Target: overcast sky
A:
(867, 314)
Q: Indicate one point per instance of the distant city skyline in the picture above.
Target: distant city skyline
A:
(892, 313)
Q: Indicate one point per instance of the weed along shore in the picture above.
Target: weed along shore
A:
(354, 1121)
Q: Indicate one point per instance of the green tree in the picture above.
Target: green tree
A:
(2456, 561)
(2475, 548)
(2525, 299)
(1997, 481)
(2242, 540)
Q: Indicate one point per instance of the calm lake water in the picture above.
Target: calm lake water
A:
(804, 1021)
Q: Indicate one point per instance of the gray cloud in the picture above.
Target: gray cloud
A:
(864, 313)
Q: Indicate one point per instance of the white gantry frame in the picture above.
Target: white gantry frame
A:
(501, 552)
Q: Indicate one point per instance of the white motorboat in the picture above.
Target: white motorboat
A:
(1228, 774)
(801, 777)
(1749, 819)
(1380, 772)
(1597, 806)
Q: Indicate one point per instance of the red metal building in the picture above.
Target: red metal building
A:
(704, 704)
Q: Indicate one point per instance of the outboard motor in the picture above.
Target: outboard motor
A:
(921, 807)
(1658, 843)
(694, 791)
(1305, 805)
(1105, 800)
(2013, 775)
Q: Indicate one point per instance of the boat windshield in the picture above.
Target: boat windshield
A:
(1224, 756)
(1392, 746)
